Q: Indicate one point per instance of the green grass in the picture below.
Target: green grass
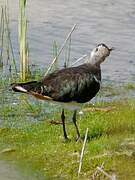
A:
(28, 138)
(130, 86)
(40, 144)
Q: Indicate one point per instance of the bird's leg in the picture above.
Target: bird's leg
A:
(63, 123)
(74, 121)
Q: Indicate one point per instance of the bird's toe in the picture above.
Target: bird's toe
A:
(78, 139)
(66, 140)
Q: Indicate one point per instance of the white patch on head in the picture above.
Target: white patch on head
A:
(92, 53)
(19, 88)
(99, 54)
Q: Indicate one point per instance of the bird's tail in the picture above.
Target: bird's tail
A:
(34, 88)
(25, 87)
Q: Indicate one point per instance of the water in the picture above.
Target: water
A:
(9, 171)
(111, 22)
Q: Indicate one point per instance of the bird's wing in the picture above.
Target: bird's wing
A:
(67, 84)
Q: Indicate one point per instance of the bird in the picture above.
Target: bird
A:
(73, 84)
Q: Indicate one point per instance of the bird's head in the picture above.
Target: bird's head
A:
(99, 54)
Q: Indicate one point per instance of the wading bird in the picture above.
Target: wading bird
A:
(79, 84)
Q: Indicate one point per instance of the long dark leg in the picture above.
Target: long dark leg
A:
(63, 123)
(74, 121)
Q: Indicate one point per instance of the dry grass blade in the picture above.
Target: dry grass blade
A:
(7, 150)
(82, 152)
(55, 52)
(61, 49)
(67, 53)
(113, 177)
(80, 59)
(94, 176)
(104, 109)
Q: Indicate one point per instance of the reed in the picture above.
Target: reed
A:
(1, 36)
(7, 57)
(23, 44)
(68, 53)
(9, 46)
(55, 53)
(60, 50)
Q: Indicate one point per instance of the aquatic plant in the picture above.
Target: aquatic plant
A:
(55, 53)
(1, 36)
(6, 49)
(10, 51)
(24, 52)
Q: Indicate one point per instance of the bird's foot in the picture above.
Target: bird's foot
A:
(66, 140)
(78, 139)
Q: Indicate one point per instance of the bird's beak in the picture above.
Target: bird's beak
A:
(111, 49)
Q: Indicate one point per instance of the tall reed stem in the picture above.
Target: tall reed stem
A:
(23, 41)
(9, 42)
(1, 36)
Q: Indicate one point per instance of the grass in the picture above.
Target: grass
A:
(28, 138)
(130, 86)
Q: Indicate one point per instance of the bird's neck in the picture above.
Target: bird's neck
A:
(95, 60)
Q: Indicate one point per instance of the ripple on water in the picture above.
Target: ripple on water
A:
(111, 22)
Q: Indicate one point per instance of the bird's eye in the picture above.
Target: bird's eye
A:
(96, 49)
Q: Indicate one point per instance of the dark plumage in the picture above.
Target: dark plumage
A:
(78, 84)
